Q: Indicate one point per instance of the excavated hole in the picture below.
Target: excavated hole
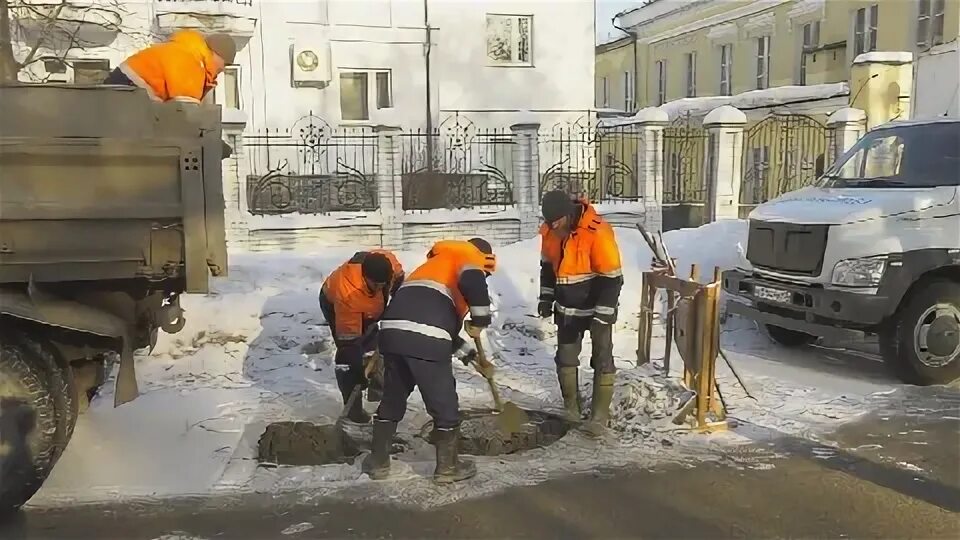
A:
(484, 433)
(303, 443)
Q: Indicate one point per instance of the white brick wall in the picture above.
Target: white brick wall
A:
(314, 238)
(497, 232)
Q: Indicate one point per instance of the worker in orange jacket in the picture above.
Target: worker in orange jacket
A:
(419, 335)
(580, 282)
(182, 69)
(352, 299)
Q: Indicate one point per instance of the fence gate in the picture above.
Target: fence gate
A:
(782, 153)
(684, 150)
(590, 159)
(311, 168)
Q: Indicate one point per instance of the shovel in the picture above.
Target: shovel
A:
(511, 418)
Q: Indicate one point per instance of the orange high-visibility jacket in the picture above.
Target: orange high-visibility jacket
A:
(178, 70)
(425, 317)
(581, 273)
(353, 302)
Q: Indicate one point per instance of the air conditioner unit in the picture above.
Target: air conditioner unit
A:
(310, 64)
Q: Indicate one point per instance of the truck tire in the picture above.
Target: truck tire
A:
(28, 425)
(789, 338)
(922, 345)
(62, 386)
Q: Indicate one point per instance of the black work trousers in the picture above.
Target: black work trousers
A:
(570, 332)
(433, 378)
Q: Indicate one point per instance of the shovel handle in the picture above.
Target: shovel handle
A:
(486, 369)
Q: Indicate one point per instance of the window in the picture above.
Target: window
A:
(629, 92)
(763, 62)
(510, 40)
(811, 40)
(229, 88)
(691, 74)
(661, 82)
(930, 23)
(865, 30)
(75, 71)
(726, 70)
(356, 100)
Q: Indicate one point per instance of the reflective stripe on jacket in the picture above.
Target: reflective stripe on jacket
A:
(352, 301)
(178, 70)
(581, 273)
(425, 317)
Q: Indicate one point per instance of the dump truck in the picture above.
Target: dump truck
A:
(111, 207)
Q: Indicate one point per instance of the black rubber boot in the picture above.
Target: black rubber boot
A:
(600, 408)
(570, 390)
(347, 383)
(450, 468)
(377, 463)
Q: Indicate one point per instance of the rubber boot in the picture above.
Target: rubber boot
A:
(570, 390)
(450, 468)
(600, 408)
(377, 463)
(346, 382)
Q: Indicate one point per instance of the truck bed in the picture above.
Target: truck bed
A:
(100, 183)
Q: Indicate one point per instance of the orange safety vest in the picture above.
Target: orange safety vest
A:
(588, 253)
(446, 260)
(178, 70)
(353, 302)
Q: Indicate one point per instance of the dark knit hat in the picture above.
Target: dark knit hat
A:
(556, 204)
(223, 45)
(482, 245)
(376, 267)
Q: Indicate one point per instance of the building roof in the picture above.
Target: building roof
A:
(622, 41)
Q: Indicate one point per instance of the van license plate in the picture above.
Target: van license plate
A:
(773, 295)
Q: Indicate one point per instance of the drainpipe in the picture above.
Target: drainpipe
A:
(427, 50)
(636, 71)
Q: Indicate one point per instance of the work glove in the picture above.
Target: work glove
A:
(472, 330)
(545, 309)
(465, 353)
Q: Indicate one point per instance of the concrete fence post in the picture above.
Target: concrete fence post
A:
(649, 124)
(846, 127)
(723, 162)
(526, 176)
(235, 170)
(389, 186)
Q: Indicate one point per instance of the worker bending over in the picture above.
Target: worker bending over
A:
(419, 334)
(182, 69)
(580, 282)
(352, 299)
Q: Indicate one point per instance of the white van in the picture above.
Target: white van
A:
(874, 247)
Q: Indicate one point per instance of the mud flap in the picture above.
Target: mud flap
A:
(126, 389)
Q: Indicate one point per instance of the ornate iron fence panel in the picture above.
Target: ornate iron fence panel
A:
(458, 165)
(591, 160)
(312, 168)
(684, 150)
(782, 153)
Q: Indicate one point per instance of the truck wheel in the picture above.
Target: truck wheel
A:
(61, 381)
(789, 338)
(28, 426)
(923, 344)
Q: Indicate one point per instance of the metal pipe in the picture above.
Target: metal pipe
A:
(636, 70)
(427, 51)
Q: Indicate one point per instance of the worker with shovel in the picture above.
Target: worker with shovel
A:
(419, 335)
(580, 282)
(352, 299)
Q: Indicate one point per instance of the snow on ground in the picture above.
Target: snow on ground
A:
(256, 350)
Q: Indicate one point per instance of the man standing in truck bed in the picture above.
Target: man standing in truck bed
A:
(182, 69)
(352, 299)
(580, 282)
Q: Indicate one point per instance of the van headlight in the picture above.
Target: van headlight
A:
(859, 272)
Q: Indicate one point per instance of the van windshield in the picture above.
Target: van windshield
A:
(925, 155)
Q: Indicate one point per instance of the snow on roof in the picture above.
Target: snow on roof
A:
(884, 57)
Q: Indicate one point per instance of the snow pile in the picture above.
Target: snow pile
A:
(257, 351)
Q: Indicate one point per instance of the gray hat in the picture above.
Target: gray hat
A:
(223, 45)
(556, 204)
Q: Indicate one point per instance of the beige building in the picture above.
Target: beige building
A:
(693, 48)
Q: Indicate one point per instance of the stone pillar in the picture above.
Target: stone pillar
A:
(526, 176)
(846, 127)
(723, 162)
(881, 84)
(235, 170)
(649, 124)
(390, 186)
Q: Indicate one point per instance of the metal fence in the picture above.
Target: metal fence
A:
(311, 168)
(457, 165)
(684, 150)
(590, 159)
(782, 153)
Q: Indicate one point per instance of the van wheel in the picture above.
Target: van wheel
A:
(28, 425)
(789, 338)
(923, 344)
